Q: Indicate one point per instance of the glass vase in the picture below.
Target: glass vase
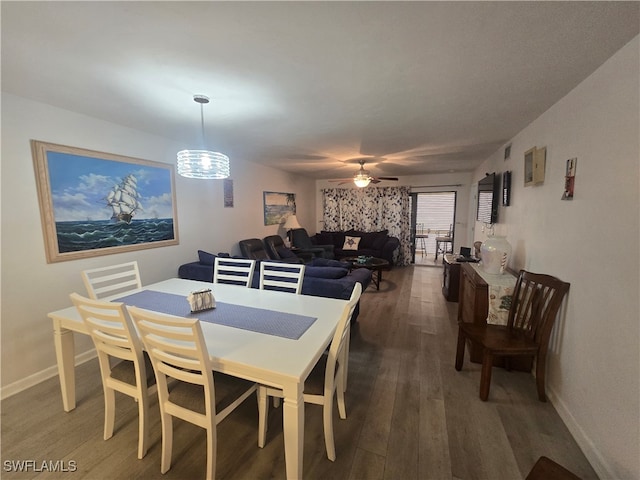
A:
(496, 251)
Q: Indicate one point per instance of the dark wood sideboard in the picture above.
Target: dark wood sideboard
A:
(474, 307)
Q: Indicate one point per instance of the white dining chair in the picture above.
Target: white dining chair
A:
(286, 277)
(326, 379)
(179, 355)
(235, 271)
(116, 340)
(105, 281)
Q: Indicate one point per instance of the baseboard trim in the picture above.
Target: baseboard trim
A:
(597, 461)
(41, 376)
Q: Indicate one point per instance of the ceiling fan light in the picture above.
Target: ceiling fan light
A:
(203, 164)
(362, 179)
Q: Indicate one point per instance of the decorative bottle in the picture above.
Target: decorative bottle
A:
(496, 251)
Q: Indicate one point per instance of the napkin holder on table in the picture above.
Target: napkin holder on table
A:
(201, 300)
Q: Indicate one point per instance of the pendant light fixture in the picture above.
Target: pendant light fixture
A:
(203, 164)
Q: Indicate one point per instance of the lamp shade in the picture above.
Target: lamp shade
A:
(202, 164)
(291, 223)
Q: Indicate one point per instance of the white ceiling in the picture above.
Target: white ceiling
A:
(310, 87)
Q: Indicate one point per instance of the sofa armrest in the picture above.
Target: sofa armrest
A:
(196, 271)
(389, 248)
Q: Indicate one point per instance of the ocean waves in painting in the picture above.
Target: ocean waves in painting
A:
(274, 214)
(90, 235)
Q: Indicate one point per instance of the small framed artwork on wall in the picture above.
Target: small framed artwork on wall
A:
(506, 188)
(228, 193)
(534, 163)
(507, 152)
(569, 179)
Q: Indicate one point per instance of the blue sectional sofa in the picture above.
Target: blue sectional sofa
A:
(322, 278)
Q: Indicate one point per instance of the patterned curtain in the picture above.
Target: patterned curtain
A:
(370, 210)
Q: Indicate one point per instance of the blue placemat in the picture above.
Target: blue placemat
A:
(280, 324)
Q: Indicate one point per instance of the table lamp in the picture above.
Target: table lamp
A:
(290, 224)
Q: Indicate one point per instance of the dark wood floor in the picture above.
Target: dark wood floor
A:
(410, 414)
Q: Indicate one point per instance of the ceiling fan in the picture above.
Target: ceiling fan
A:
(362, 177)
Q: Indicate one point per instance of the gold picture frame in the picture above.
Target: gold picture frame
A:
(278, 206)
(534, 165)
(95, 203)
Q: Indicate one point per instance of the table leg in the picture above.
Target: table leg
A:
(293, 425)
(376, 276)
(65, 353)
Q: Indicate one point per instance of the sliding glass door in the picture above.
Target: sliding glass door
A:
(432, 214)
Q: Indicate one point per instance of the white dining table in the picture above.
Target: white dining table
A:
(267, 359)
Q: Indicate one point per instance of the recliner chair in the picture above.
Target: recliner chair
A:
(300, 240)
(253, 248)
(277, 250)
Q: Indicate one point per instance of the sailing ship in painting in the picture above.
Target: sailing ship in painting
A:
(123, 200)
(97, 203)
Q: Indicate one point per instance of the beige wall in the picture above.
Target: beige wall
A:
(31, 287)
(591, 242)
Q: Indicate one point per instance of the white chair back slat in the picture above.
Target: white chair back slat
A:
(281, 276)
(107, 281)
(235, 271)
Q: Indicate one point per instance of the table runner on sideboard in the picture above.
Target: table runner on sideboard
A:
(280, 324)
(500, 293)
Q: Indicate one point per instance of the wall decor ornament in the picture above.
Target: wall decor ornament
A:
(507, 152)
(94, 203)
(495, 253)
(506, 188)
(228, 192)
(569, 179)
(278, 206)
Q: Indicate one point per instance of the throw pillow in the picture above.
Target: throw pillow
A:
(206, 258)
(325, 272)
(338, 238)
(327, 262)
(351, 243)
(380, 240)
(368, 239)
(322, 238)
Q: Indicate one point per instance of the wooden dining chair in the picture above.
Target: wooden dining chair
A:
(234, 271)
(534, 306)
(105, 281)
(328, 378)
(179, 356)
(116, 340)
(285, 277)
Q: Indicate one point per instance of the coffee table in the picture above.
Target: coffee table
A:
(372, 263)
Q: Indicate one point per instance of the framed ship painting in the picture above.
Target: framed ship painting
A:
(94, 203)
